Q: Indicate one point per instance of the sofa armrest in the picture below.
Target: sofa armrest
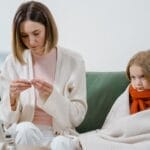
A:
(103, 88)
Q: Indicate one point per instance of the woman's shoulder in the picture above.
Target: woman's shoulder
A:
(69, 53)
(12, 60)
(8, 62)
(9, 58)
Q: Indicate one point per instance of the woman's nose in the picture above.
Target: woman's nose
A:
(32, 41)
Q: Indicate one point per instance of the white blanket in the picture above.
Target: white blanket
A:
(121, 130)
(2, 146)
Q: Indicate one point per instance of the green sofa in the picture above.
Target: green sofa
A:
(103, 88)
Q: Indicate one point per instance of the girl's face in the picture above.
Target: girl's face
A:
(33, 36)
(138, 79)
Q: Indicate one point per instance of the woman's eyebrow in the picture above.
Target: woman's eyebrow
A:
(36, 30)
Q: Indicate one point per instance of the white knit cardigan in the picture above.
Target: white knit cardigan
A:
(67, 103)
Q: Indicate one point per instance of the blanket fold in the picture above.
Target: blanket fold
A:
(121, 130)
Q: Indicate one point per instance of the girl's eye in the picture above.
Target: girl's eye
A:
(132, 77)
(142, 76)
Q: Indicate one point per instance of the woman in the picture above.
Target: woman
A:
(44, 86)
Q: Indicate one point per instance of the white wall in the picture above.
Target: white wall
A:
(106, 32)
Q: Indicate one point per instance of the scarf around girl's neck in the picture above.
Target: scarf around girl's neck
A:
(140, 100)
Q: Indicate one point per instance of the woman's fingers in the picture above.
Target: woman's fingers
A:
(45, 89)
(18, 86)
(42, 85)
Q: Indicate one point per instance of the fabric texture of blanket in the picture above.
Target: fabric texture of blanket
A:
(121, 130)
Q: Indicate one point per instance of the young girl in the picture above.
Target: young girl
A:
(138, 72)
(127, 125)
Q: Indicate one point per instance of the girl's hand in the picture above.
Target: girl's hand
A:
(44, 88)
(16, 87)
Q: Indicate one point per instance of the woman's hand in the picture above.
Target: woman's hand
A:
(44, 88)
(16, 87)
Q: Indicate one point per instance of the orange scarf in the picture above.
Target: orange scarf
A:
(140, 100)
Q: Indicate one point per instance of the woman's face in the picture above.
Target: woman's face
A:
(33, 36)
(138, 79)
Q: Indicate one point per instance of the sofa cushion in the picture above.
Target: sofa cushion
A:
(103, 88)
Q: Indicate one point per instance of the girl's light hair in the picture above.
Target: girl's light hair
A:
(37, 12)
(141, 59)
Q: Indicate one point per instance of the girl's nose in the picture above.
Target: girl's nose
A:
(138, 82)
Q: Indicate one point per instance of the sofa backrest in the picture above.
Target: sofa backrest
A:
(103, 88)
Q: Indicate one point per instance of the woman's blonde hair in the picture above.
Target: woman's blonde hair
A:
(37, 12)
(141, 59)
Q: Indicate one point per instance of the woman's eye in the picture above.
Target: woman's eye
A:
(36, 34)
(24, 36)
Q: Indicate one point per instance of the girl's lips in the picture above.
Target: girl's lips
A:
(139, 89)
